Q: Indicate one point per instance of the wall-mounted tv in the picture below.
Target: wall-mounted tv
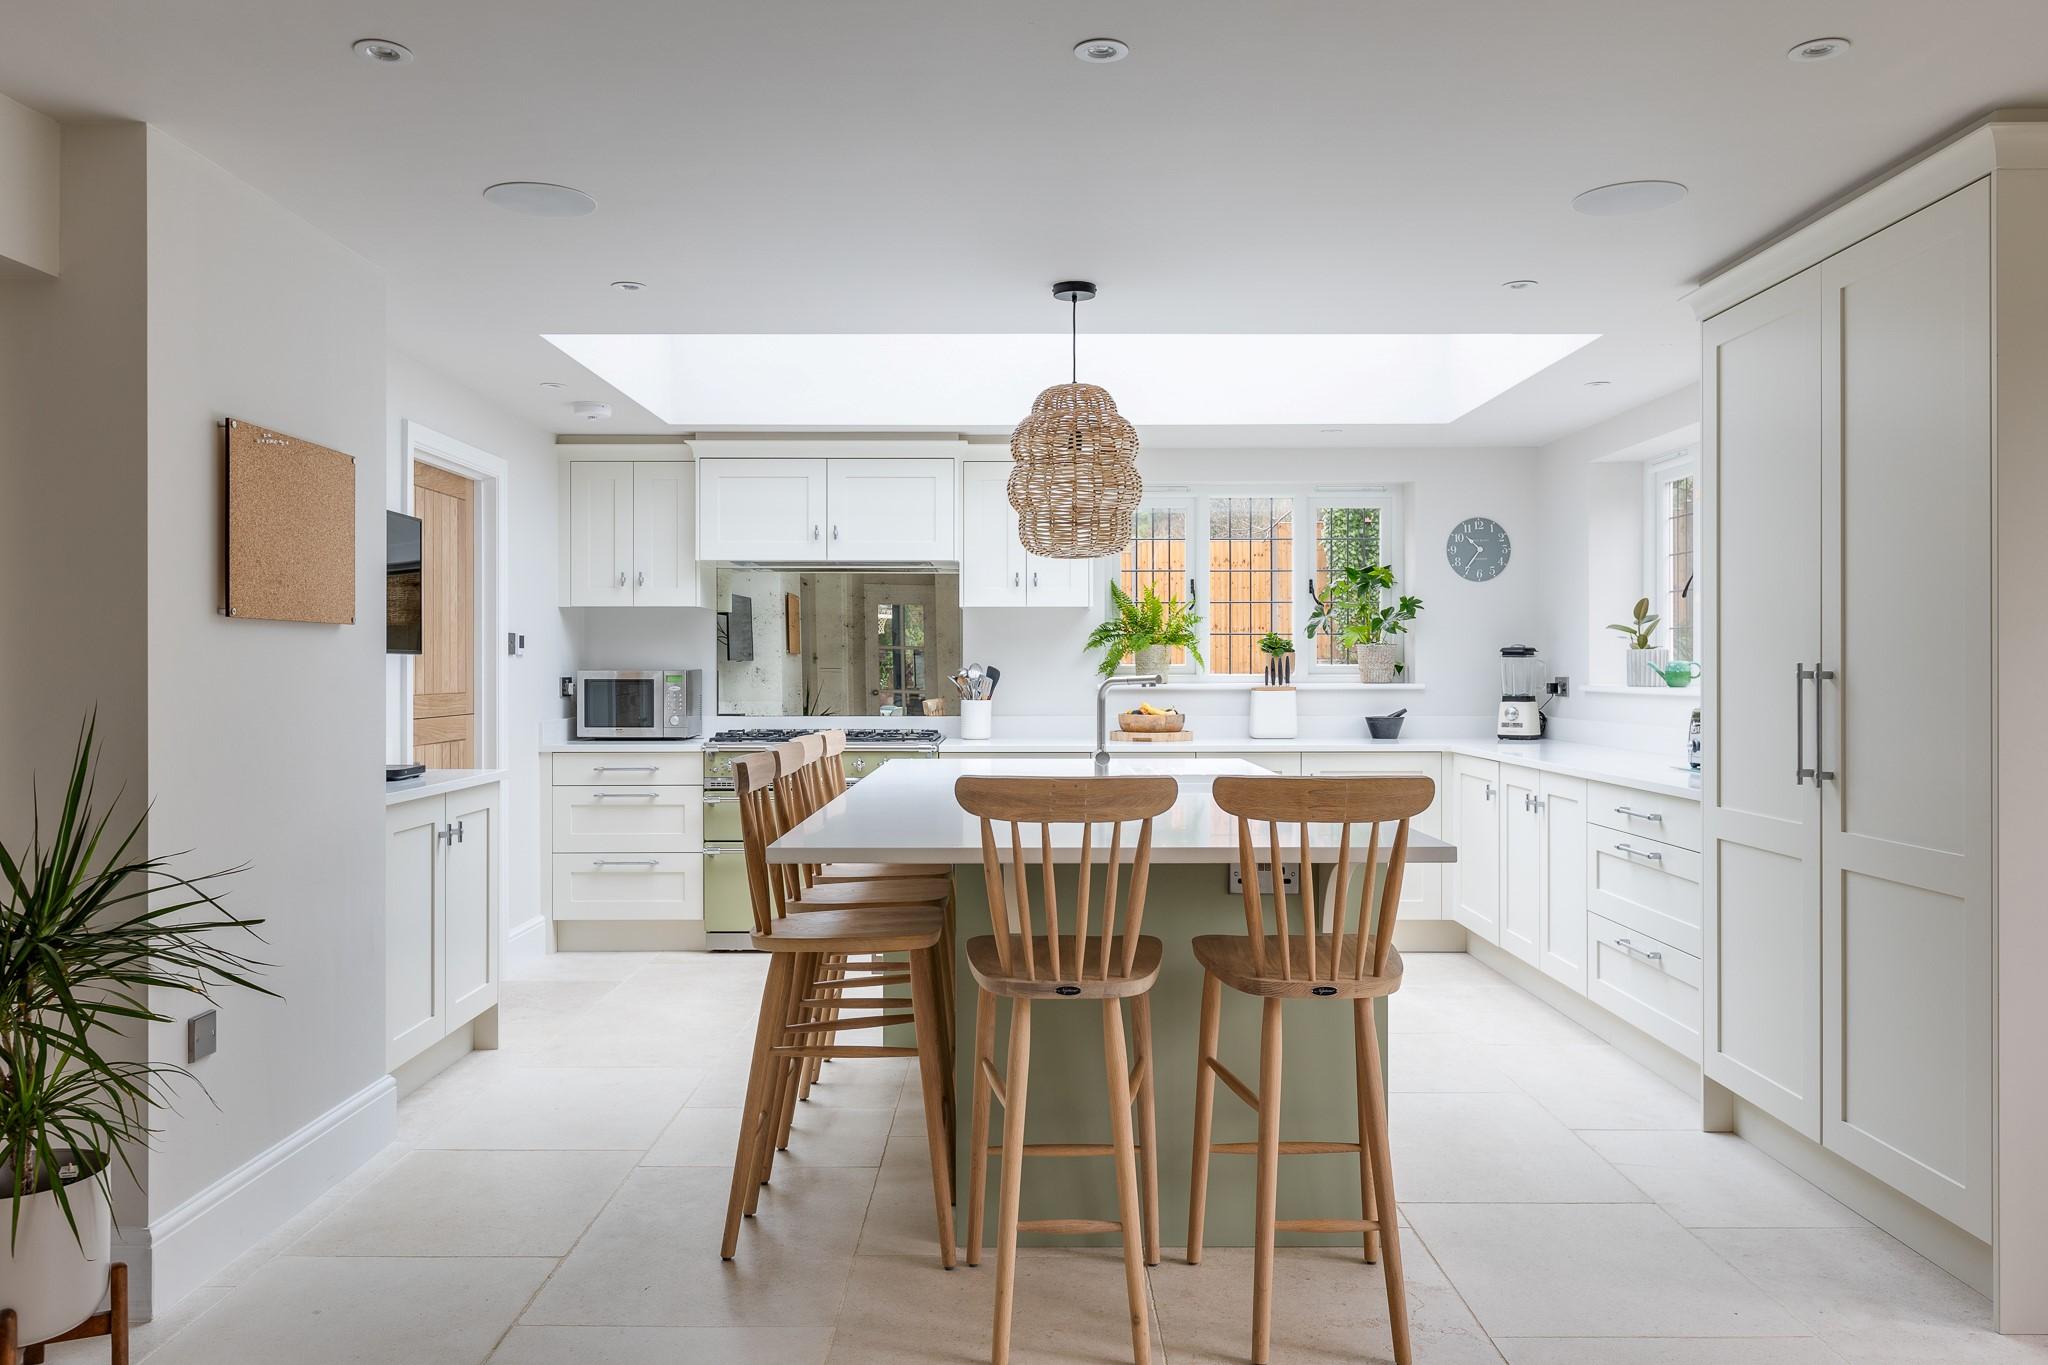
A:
(401, 583)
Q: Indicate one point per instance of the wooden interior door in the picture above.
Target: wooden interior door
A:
(444, 674)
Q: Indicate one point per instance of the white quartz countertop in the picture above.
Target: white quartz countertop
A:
(1663, 773)
(438, 782)
(563, 746)
(905, 813)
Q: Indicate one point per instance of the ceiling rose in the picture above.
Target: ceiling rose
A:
(1074, 474)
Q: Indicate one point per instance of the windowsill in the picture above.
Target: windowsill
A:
(1301, 684)
(1622, 690)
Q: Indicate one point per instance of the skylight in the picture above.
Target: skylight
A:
(970, 380)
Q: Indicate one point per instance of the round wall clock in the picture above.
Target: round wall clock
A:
(1478, 549)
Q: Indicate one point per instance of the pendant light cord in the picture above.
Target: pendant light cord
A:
(1074, 339)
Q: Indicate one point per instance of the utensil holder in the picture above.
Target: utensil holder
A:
(977, 719)
(1273, 714)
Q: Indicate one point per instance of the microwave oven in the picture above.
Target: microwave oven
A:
(640, 703)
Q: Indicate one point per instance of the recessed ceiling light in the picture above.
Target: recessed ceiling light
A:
(1333, 431)
(591, 412)
(382, 50)
(553, 384)
(628, 286)
(1630, 196)
(1518, 284)
(1817, 49)
(1102, 50)
(1598, 383)
(540, 199)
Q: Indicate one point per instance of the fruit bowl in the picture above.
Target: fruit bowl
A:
(1143, 723)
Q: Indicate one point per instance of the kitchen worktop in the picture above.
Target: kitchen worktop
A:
(906, 813)
(439, 782)
(564, 746)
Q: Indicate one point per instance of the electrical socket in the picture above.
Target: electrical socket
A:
(202, 1035)
(1560, 687)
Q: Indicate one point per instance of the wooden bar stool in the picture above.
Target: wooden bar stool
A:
(1027, 967)
(787, 1031)
(1312, 964)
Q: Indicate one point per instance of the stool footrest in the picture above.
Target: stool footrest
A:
(839, 1025)
(860, 982)
(828, 1051)
(1068, 1226)
(1327, 1224)
(994, 1082)
(870, 1002)
(1229, 1078)
(1286, 1148)
(1065, 1148)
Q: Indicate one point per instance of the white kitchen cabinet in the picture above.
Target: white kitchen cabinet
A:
(632, 535)
(1521, 860)
(767, 510)
(627, 886)
(441, 911)
(891, 510)
(1561, 927)
(1473, 882)
(626, 830)
(995, 568)
(1649, 983)
(616, 818)
(1645, 885)
(1422, 885)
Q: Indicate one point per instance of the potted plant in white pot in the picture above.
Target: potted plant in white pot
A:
(84, 954)
(1147, 629)
(1645, 657)
(1361, 612)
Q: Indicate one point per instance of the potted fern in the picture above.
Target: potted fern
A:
(1361, 612)
(1645, 656)
(94, 935)
(1147, 629)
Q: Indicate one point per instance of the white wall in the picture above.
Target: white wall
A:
(416, 393)
(262, 735)
(30, 191)
(1590, 487)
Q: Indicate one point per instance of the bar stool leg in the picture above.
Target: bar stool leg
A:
(1383, 1169)
(747, 1154)
(977, 1150)
(1361, 1024)
(1148, 1126)
(1205, 1112)
(924, 1005)
(781, 1099)
(799, 1013)
(1268, 1188)
(1117, 1063)
(1016, 1081)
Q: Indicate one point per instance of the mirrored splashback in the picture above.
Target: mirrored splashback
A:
(836, 642)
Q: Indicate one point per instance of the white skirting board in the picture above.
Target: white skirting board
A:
(178, 1252)
(526, 944)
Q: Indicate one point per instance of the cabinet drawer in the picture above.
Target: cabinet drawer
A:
(623, 819)
(1667, 819)
(1646, 981)
(1644, 885)
(643, 768)
(667, 886)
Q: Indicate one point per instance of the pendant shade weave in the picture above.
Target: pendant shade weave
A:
(1074, 474)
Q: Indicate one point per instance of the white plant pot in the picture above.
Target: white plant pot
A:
(46, 1277)
(1376, 663)
(1273, 714)
(1643, 665)
(1154, 659)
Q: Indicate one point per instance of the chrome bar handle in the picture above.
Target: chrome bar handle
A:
(625, 767)
(1800, 771)
(625, 862)
(1634, 852)
(1820, 734)
(623, 796)
(1646, 954)
(1639, 814)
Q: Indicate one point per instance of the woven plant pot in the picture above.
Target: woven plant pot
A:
(1154, 659)
(1643, 665)
(1074, 481)
(1376, 662)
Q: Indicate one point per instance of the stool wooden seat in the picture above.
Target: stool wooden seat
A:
(792, 1028)
(1028, 968)
(1320, 961)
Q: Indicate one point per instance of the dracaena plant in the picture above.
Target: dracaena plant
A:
(90, 927)
(1359, 607)
(1641, 627)
(1141, 623)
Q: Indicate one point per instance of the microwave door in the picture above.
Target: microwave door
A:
(618, 708)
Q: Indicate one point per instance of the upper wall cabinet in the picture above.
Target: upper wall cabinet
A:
(861, 510)
(995, 568)
(630, 535)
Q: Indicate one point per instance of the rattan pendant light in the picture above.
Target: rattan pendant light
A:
(1074, 473)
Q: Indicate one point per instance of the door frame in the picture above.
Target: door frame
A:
(491, 543)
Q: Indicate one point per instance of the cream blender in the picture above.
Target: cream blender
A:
(1522, 678)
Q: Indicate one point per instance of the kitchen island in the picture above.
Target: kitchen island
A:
(906, 813)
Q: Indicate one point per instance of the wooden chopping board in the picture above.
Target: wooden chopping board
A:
(1157, 736)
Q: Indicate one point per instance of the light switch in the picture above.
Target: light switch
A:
(202, 1036)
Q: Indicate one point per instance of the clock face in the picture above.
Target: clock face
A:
(1478, 549)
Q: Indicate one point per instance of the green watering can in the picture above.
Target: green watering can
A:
(1679, 672)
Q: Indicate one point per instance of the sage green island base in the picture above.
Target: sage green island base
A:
(1068, 1099)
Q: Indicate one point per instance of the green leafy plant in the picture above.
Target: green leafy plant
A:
(83, 952)
(1641, 630)
(1279, 652)
(1275, 645)
(1360, 607)
(1141, 623)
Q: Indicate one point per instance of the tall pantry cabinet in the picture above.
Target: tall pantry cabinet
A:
(1873, 443)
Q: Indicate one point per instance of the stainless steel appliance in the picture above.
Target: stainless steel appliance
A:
(728, 905)
(640, 703)
(1522, 677)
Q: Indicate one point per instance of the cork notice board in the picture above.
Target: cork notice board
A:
(291, 528)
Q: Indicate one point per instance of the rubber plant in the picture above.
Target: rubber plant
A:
(1144, 622)
(1641, 627)
(92, 933)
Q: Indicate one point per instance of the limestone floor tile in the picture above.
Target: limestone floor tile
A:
(664, 1346)
(471, 1203)
(560, 1109)
(850, 1083)
(1716, 1180)
(307, 1310)
(1070, 1307)
(592, 966)
(1669, 1351)
(1488, 1015)
(143, 1337)
(818, 1136)
(1443, 1062)
(651, 1258)
(1495, 1148)
(529, 1011)
(900, 1220)
(1328, 1305)
(1592, 1270)
(1597, 1087)
(1870, 1297)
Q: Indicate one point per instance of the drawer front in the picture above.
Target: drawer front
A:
(1667, 819)
(1651, 984)
(728, 904)
(623, 819)
(722, 818)
(1644, 885)
(642, 768)
(662, 886)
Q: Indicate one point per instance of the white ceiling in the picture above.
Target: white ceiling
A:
(790, 166)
